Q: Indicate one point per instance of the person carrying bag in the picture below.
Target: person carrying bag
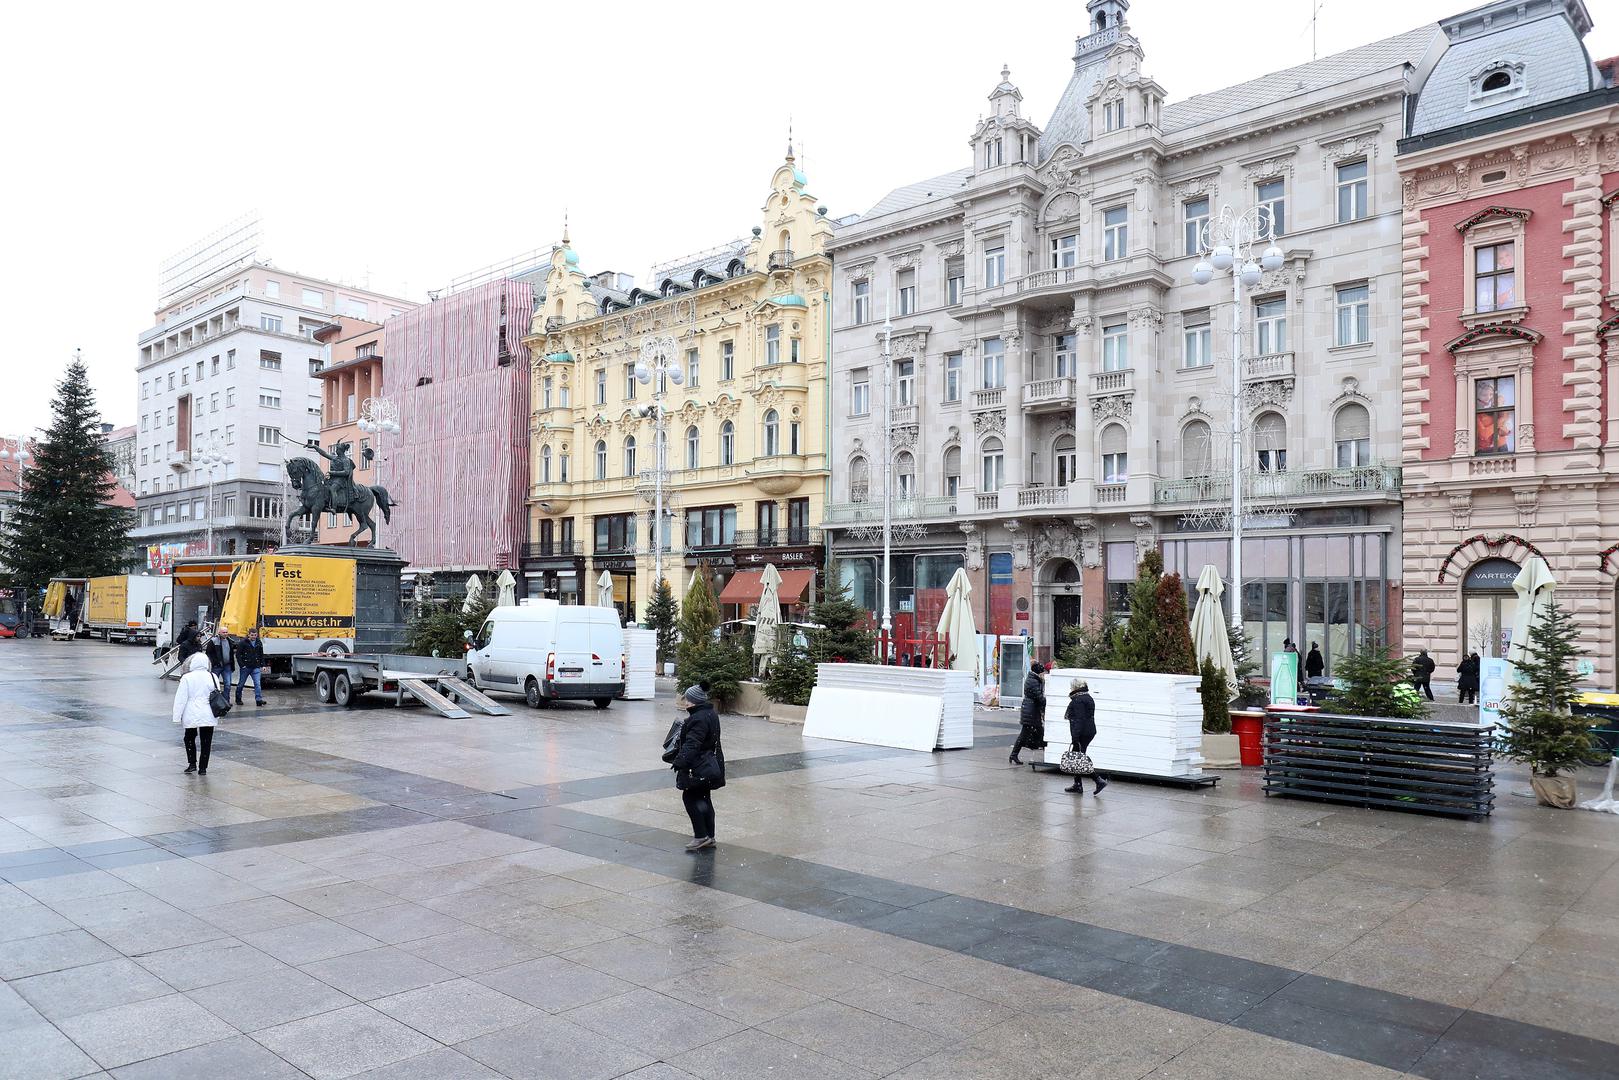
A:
(198, 705)
(1081, 716)
(699, 764)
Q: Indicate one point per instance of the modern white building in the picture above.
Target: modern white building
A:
(230, 366)
(1063, 388)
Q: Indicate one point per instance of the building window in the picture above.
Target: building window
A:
(773, 344)
(269, 399)
(1194, 215)
(170, 421)
(905, 475)
(905, 284)
(727, 360)
(269, 436)
(1494, 416)
(1271, 198)
(1065, 251)
(230, 434)
(601, 459)
(545, 464)
(354, 309)
(629, 455)
(1270, 326)
(727, 443)
(1115, 455)
(860, 392)
(694, 367)
(1113, 115)
(905, 371)
(269, 361)
(994, 364)
(1270, 443)
(1352, 435)
(952, 376)
(1351, 186)
(1495, 282)
(994, 153)
(862, 303)
(1197, 450)
(545, 392)
(772, 433)
(694, 447)
(794, 431)
(1199, 342)
(1115, 346)
(213, 367)
(601, 386)
(562, 470)
(213, 403)
(792, 350)
(230, 397)
(1354, 310)
(952, 470)
(711, 527)
(614, 533)
(1115, 232)
(1064, 356)
(1065, 457)
(314, 298)
(798, 519)
(271, 323)
(1120, 568)
(230, 359)
(765, 519)
(994, 266)
(994, 465)
(955, 280)
(272, 289)
(629, 382)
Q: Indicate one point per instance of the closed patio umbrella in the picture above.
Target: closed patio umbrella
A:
(474, 593)
(604, 590)
(1534, 586)
(769, 617)
(1209, 636)
(956, 621)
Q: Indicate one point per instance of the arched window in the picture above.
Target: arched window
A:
(952, 470)
(1270, 442)
(1197, 450)
(562, 466)
(1352, 434)
(694, 447)
(601, 459)
(629, 455)
(993, 459)
(727, 443)
(1114, 446)
(1496, 80)
(1065, 455)
(859, 479)
(905, 474)
(772, 433)
(545, 464)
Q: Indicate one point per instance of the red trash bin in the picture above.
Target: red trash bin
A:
(1248, 728)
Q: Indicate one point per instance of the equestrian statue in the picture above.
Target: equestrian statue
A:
(336, 492)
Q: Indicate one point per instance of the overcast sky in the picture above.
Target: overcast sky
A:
(404, 144)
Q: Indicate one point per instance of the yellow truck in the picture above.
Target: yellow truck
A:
(126, 607)
(301, 604)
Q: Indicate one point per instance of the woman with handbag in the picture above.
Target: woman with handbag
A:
(1031, 714)
(194, 708)
(1081, 730)
(699, 765)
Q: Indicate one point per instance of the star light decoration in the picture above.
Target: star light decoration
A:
(1218, 518)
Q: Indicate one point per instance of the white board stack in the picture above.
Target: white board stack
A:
(911, 708)
(641, 654)
(1145, 723)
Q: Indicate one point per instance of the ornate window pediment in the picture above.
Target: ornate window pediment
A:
(1492, 213)
(1499, 80)
(1491, 332)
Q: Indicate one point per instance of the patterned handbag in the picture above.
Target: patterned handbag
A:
(1076, 763)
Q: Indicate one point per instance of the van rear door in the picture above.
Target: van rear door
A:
(573, 649)
(607, 644)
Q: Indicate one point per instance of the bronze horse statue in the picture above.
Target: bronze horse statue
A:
(315, 498)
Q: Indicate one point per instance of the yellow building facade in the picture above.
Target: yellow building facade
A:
(745, 473)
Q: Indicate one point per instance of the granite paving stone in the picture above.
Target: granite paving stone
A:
(90, 988)
(455, 1011)
(265, 1000)
(134, 1032)
(553, 1048)
(343, 1042)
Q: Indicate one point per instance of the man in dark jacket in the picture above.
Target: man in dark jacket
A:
(1422, 673)
(698, 738)
(1032, 714)
(222, 657)
(250, 665)
(1081, 717)
(1315, 665)
(1467, 675)
(187, 641)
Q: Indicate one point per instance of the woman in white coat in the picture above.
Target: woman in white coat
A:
(191, 709)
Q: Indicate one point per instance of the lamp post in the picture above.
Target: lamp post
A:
(379, 416)
(1227, 244)
(210, 455)
(888, 476)
(658, 366)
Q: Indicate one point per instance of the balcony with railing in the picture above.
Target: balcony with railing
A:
(1040, 495)
(992, 398)
(1269, 366)
(1104, 383)
(1045, 394)
(1062, 277)
(1112, 494)
(781, 259)
(1378, 482)
(986, 501)
(778, 537)
(903, 414)
(921, 508)
(553, 323)
(551, 549)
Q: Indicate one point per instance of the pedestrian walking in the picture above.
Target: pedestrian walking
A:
(1467, 675)
(1032, 714)
(192, 710)
(699, 764)
(187, 641)
(222, 657)
(1315, 665)
(250, 663)
(1081, 716)
(1422, 673)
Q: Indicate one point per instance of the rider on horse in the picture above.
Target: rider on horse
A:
(340, 487)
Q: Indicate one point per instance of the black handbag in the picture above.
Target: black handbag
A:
(671, 741)
(710, 768)
(218, 701)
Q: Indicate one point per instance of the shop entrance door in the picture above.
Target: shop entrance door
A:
(1488, 603)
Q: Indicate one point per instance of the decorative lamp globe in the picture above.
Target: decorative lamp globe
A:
(1203, 272)
(1222, 258)
(1272, 259)
(676, 377)
(393, 427)
(643, 374)
(1250, 273)
(364, 424)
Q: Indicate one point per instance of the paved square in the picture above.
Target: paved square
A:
(378, 892)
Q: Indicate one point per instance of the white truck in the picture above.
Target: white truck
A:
(127, 607)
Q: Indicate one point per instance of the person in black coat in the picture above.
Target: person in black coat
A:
(1315, 665)
(1422, 673)
(698, 737)
(1081, 716)
(250, 666)
(1032, 714)
(187, 641)
(1467, 674)
(221, 650)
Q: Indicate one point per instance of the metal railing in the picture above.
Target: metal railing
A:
(782, 537)
(1041, 495)
(1113, 382)
(546, 549)
(1046, 391)
(781, 259)
(1305, 483)
(871, 512)
(993, 398)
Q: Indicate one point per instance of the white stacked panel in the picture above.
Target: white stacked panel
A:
(1145, 723)
(641, 653)
(873, 717)
(953, 690)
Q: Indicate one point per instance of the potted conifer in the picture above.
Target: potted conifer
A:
(1539, 725)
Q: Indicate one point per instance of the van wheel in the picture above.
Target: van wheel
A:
(531, 693)
(343, 690)
(601, 702)
(323, 687)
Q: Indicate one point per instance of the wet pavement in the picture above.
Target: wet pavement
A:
(380, 892)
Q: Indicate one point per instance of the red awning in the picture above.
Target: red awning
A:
(745, 586)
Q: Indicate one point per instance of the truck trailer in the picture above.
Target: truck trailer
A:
(127, 607)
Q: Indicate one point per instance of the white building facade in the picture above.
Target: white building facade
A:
(1063, 389)
(231, 365)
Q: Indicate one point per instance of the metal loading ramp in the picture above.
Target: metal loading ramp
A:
(466, 694)
(424, 693)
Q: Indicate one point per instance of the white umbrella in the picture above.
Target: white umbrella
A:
(506, 590)
(1534, 586)
(1209, 636)
(769, 617)
(474, 593)
(956, 621)
(604, 590)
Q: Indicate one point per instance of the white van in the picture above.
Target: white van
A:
(549, 651)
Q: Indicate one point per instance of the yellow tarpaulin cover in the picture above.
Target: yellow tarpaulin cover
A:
(55, 599)
(241, 608)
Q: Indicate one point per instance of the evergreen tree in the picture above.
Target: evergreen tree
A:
(1216, 695)
(1245, 668)
(792, 672)
(1540, 728)
(1090, 646)
(1137, 641)
(843, 633)
(661, 615)
(65, 525)
(1375, 682)
(1173, 654)
(699, 615)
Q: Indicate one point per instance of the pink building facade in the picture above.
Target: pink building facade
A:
(352, 376)
(1511, 342)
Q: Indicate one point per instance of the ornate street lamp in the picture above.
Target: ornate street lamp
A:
(659, 365)
(209, 455)
(379, 416)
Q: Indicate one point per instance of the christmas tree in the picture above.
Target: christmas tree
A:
(662, 614)
(65, 524)
(1173, 652)
(843, 634)
(1375, 682)
(1540, 728)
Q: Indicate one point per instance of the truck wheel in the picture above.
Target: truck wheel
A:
(531, 693)
(343, 690)
(602, 702)
(323, 687)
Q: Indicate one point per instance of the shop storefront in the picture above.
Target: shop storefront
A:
(920, 581)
